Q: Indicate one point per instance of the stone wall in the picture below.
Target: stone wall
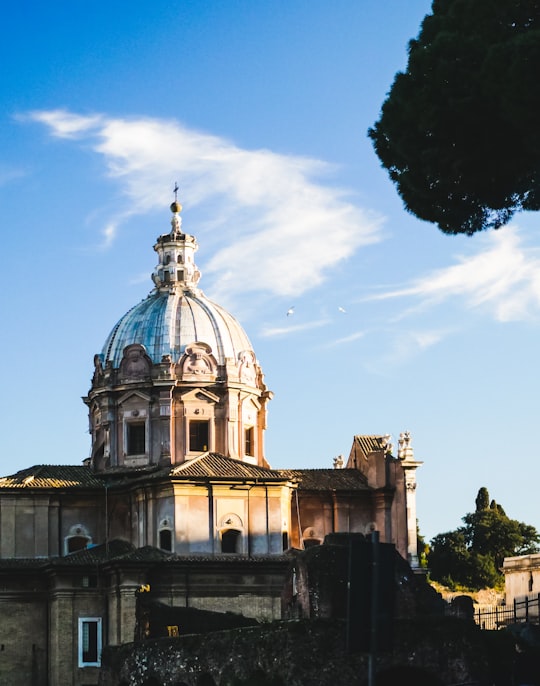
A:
(427, 652)
(23, 640)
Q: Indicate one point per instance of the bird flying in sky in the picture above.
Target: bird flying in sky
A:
(290, 311)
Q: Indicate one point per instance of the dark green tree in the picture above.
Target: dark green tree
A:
(421, 546)
(488, 532)
(473, 554)
(482, 572)
(458, 132)
(482, 499)
(448, 558)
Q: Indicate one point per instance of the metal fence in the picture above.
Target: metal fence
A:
(498, 616)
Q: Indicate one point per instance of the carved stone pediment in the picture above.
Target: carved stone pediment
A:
(231, 521)
(197, 363)
(98, 376)
(247, 367)
(133, 398)
(199, 396)
(136, 364)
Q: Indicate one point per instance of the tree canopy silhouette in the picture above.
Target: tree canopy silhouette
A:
(458, 132)
(473, 554)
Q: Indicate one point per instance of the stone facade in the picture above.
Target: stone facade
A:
(521, 578)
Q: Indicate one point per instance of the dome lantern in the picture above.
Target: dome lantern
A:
(176, 266)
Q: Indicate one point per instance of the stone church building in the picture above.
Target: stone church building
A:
(177, 497)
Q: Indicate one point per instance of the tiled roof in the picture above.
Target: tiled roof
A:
(122, 476)
(327, 479)
(370, 444)
(145, 554)
(52, 476)
(216, 465)
(151, 554)
(206, 466)
(22, 563)
(122, 551)
(229, 559)
(97, 553)
(113, 550)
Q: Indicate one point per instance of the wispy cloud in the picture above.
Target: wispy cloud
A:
(269, 332)
(277, 227)
(64, 124)
(8, 174)
(403, 345)
(503, 278)
(345, 339)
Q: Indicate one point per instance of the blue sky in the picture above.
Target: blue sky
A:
(259, 110)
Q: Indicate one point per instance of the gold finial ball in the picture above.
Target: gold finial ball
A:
(176, 207)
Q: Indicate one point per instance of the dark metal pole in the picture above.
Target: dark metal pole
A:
(348, 618)
(248, 524)
(374, 606)
(106, 520)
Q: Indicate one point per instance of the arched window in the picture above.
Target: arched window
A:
(311, 537)
(74, 543)
(230, 541)
(165, 540)
(311, 542)
(77, 538)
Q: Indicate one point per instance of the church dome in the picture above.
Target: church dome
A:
(176, 313)
(177, 376)
(167, 321)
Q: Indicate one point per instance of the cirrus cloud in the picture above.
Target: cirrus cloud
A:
(276, 227)
(502, 277)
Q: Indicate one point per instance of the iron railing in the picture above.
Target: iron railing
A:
(498, 616)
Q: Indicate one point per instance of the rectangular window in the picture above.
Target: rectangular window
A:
(284, 541)
(249, 447)
(136, 438)
(89, 641)
(89, 581)
(198, 436)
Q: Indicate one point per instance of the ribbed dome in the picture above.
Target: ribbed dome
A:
(166, 322)
(176, 313)
(177, 376)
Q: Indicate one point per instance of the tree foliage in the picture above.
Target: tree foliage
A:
(482, 499)
(473, 554)
(458, 132)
